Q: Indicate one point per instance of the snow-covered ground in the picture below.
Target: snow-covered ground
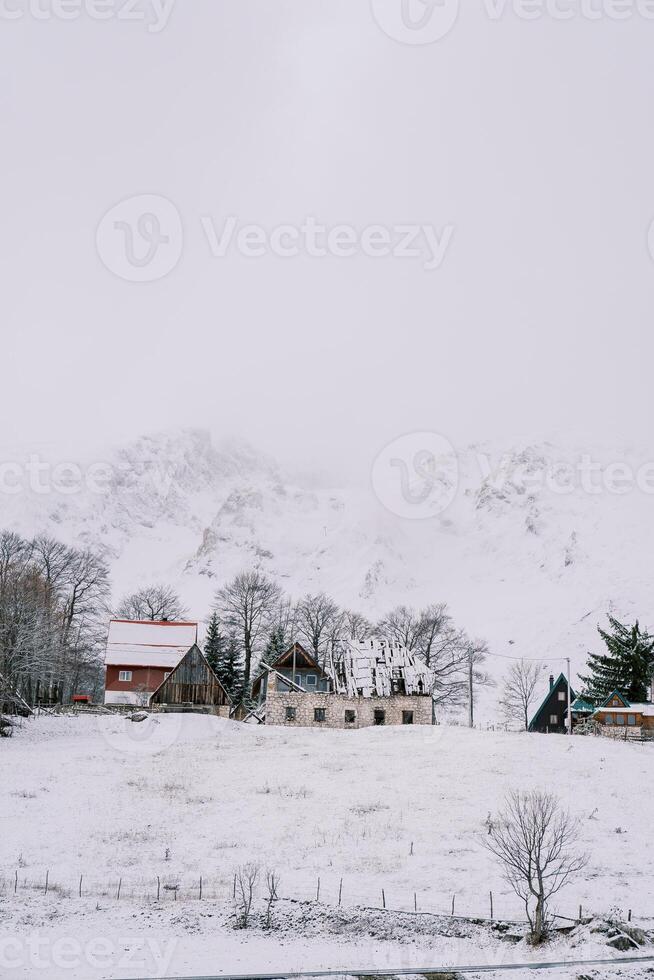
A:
(182, 797)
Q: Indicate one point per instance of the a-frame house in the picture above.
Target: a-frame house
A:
(192, 683)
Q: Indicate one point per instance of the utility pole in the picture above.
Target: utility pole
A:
(567, 660)
(471, 707)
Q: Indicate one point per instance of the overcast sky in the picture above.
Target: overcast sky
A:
(526, 146)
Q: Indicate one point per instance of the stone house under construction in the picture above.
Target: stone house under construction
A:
(368, 683)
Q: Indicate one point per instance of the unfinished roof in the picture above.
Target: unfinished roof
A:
(148, 644)
(377, 668)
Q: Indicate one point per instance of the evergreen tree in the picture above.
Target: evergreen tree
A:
(231, 670)
(214, 644)
(627, 666)
(275, 646)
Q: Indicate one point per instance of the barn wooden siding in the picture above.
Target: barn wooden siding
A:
(191, 682)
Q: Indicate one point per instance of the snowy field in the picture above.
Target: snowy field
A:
(184, 797)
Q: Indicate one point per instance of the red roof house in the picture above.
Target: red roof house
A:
(140, 655)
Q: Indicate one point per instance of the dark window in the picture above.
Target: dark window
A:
(407, 717)
(631, 719)
(380, 717)
(350, 716)
(290, 714)
(318, 714)
(620, 719)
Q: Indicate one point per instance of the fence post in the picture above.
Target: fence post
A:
(453, 898)
(47, 875)
(318, 891)
(16, 883)
(491, 905)
(80, 885)
(158, 887)
(120, 881)
(234, 886)
(340, 891)
(415, 901)
(629, 917)
(383, 898)
(200, 887)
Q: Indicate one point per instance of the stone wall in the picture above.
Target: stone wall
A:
(335, 706)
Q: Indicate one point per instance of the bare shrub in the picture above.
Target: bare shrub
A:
(247, 876)
(537, 844)
(272, 883)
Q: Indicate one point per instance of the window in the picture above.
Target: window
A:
(319, 714)
(609, 719)
(125, 676)
(350, 716)
(379, 717)
(631, 719)
(407, 717)
(291, 714)
(563, 696)
(312, 680)
(554, 719)
(619, 720)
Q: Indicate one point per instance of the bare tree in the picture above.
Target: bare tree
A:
(317, 618)
(272, 883)
(355, 626)
(154, 602)
(402, 625)
(519, 690)
(536, 842)
(246, 606)
(247, 876)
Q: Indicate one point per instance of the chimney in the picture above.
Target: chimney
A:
(551, 682)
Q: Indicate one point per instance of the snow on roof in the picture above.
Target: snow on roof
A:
(632, 709)
(377, 668)
(147, 644)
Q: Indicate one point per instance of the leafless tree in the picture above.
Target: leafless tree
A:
(154, 602)
(317, 618)
(402, 625)
(247, 876)
(520, 685)
(536, 842)
(246, 606)
(355, 626)
(272, 884)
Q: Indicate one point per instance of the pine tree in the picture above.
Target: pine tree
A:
(231, 670)
(275, 646)
(214, 644)
(627, 667)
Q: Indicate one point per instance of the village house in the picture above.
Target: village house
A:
(367, 683)
(552, 715)
(617, 713)
(192, 684)
(140, 655)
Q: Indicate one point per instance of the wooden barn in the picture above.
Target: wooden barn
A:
(192, 683)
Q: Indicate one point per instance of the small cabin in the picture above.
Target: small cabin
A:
(192, 683)
(552, 716)
(618, 713)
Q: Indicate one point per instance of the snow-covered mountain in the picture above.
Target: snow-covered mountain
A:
(539, 542)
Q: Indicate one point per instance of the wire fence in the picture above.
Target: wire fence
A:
(335, 892)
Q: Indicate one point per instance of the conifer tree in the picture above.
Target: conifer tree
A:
(230, 669)
(275, 646)
(214, 644)
(627, 666)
